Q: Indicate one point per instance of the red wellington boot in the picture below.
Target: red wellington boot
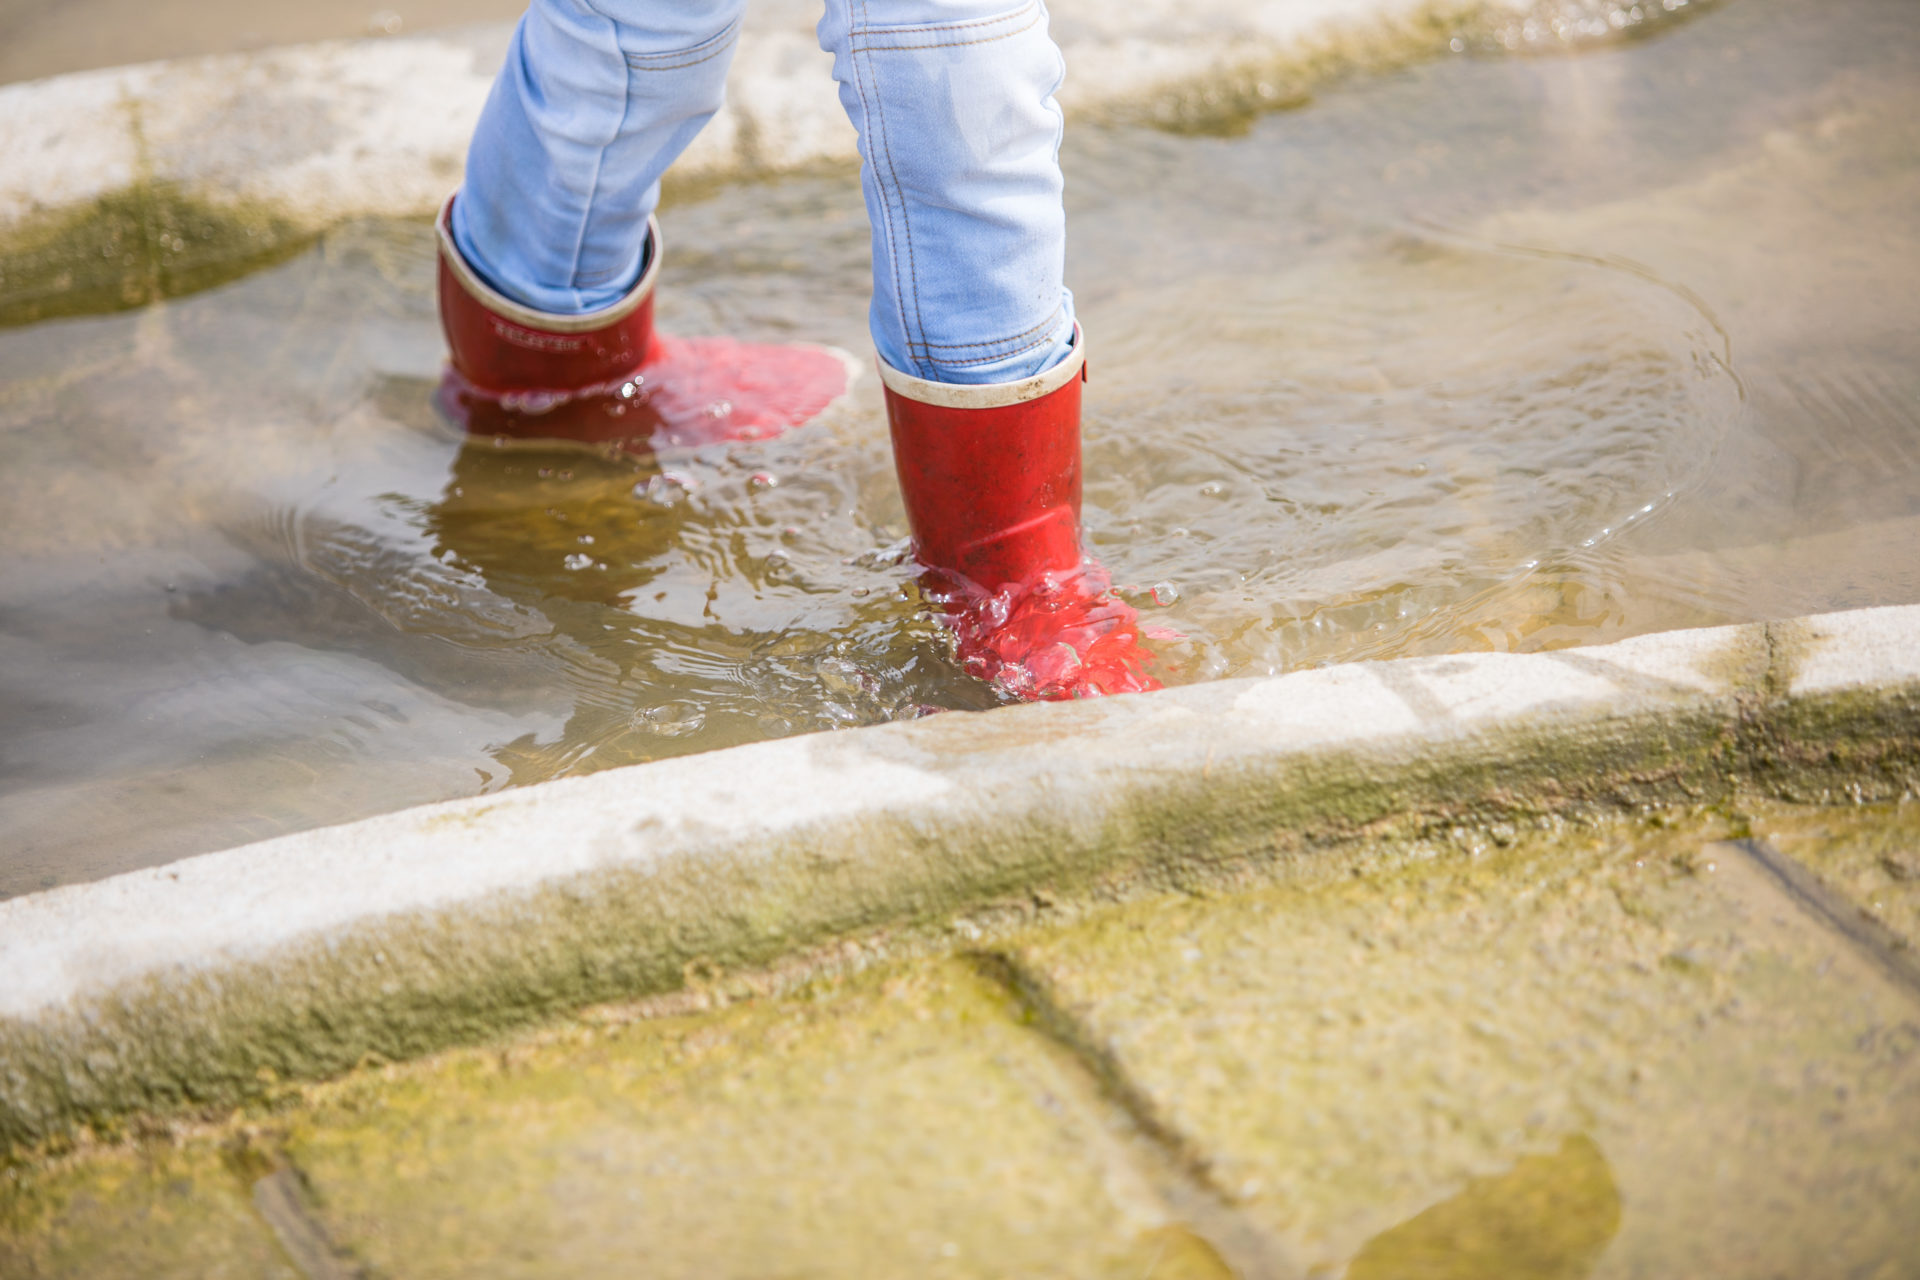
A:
(991, 479)
(606, 378)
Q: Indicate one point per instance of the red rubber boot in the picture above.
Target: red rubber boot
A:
(606, 378)
(991, 479)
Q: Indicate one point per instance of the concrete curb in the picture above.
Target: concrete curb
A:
(194, 983)
(314, 134)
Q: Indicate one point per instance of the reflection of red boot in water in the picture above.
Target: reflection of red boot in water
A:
(991, 479)
(605, 378)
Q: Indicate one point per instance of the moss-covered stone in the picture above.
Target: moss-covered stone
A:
(188, 1041)
(1339, 1059)
(1529, 1051)
(131, 247)
(155, 1210)
(1233, 91)
(903, 1125)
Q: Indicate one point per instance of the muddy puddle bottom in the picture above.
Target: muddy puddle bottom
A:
(1497, 353)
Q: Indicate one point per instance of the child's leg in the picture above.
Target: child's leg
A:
(960, 139)
(596, 99)
(960, 144)
(546, 275)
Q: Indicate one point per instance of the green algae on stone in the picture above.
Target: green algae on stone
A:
(152, 1210)
(1340, 1057)
(1857, 745)
(185, 1042)
(132, 247)
(1230, 95)
(903, 1124)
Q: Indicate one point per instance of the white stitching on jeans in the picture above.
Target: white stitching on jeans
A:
(948, 44)
(708, 49)
(1008, 16)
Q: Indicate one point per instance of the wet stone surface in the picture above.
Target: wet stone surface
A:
(1870, 857)
(907, 1125)
(1608, 1051)
(158, 1212)
(1635, 1028)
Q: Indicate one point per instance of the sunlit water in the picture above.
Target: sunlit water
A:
(1498, 353)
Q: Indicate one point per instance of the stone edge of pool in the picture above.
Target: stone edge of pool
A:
(200, 983)
(288, 141)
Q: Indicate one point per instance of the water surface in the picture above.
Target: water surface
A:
(1494, 353)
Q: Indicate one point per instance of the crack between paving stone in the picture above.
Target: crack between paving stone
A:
(1171, 1163)
(1881, 946)
(281, 1198)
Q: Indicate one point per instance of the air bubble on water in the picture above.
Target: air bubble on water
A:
(384, 22)
(585, 539)
(762, 480)
(670, 719)
(665, 489)
(848, 679)
(1213, 489)
(1165, 593)
(578, 560)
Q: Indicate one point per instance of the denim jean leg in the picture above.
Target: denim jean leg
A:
(960, 166)
(596, 99)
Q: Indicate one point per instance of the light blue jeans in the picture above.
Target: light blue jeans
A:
(959, 139)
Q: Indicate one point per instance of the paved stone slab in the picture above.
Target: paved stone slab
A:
(1869, 854)
(157, 1213)
(1693, 1076)
(904, 1125)
(1613, 1050)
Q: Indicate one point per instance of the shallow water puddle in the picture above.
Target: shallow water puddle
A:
(1494, 353)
